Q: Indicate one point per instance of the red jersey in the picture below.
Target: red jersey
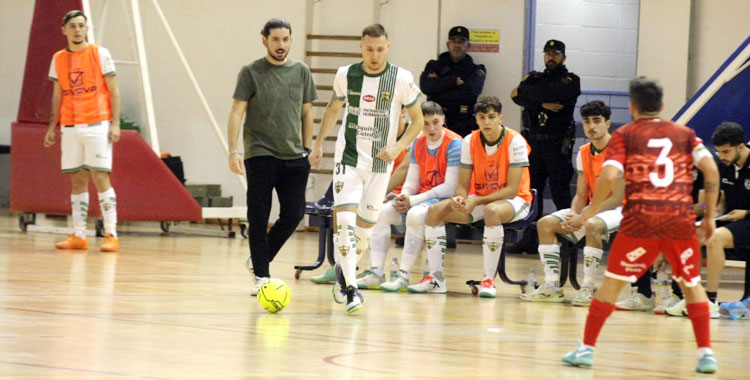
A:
(656, 157)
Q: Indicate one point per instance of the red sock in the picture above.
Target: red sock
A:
(700, 316)
(598, 314)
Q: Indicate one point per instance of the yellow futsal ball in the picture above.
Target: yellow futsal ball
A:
(274, 295)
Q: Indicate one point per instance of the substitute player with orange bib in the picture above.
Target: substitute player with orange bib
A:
(86, 103)
(656, 156)
(567, 222)
(432, 177)
(495, 159)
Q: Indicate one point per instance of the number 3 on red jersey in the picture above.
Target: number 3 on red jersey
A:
(666, 146)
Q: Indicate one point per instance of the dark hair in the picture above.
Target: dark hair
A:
(374, 30)
(487, 104)
(431, 108)
(275, 23)
(596, 108)
(646, 95)
(728, 133)
(72, 14)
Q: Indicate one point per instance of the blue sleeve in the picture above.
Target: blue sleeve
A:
(412, 156)
(454, 152)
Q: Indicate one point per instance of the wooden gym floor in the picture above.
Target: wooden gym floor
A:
(178, 307)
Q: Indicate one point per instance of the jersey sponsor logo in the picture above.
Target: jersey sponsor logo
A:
(353, 111)
(684, 257)
(370, 207)
(350, 92)
(747, 183)
(75, 78)
(431, 177)
(635, 268)
(368, 98)
(635, 254)
(368, 133)
(369, 112)
(726, 181)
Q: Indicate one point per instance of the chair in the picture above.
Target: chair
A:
(321, 216)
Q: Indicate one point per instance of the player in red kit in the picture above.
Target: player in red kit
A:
(656, 157)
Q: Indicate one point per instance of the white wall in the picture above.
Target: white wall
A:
(663, 39)
(14, 28)
(600, 37)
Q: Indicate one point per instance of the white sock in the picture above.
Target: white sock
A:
(412, 248)
(378, 251)
(591, 259)
(79, 207)
(436, 241)
(346, 246)
(492, 245)
(550, 256)
(362, 238)
(108, 204)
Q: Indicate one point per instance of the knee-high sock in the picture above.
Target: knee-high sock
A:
(436, 242)
(598, 314)
(412, 248)
(108, 204)
(346, 221)
(381, 237)
(550, 256)
(492, 245)
(591, 259)
(700, 317)
(362, 238)
(79, 206)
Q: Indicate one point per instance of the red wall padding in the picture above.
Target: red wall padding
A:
(146, 188)
(45, 39)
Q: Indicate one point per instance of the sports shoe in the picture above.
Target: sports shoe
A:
(339, 286)
(706, 363)
(354, 299)
(329, 277)
(431, 283)
(258, 282)
(73, 242)
(400, 282)
(584, 296)
(666, 304)
(487, 288)
(680, 310)
(637, 302)
(369, 280)
(545, 293)
(582, 356)
(111, 244)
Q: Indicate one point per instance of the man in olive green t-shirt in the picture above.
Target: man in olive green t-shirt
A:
(275, 94)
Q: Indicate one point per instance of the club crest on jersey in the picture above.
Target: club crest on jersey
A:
(385, 96)
(338, 186)
(747, 183)
(429, 243)
(368, 98)
(635, 254)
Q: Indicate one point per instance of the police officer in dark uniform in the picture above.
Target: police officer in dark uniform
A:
(455, 82)
(548, 100)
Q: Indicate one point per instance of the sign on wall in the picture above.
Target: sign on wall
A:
(484, 40)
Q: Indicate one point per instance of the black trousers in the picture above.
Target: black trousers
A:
(289, 178)
(546, 161)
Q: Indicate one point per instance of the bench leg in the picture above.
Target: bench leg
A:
(324, 236)
(503, 275)
(572, 269)
(747, 276)
(565, 250)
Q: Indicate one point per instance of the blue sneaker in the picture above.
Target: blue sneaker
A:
(706, 364)
(582, 356)
(354, 299)
(339, 286)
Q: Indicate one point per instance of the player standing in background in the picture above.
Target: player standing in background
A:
(656, 156)
(86, 103)
(374, 92)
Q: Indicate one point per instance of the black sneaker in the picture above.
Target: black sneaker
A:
(354, 299)
(339, 287)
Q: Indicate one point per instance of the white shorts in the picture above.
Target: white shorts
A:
(359, 188)
(611, 219)
(86, 146)
(520, 207)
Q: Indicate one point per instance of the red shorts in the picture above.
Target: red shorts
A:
(630, 258)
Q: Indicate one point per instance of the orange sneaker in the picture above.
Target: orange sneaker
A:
(73, 242)
(111, 244)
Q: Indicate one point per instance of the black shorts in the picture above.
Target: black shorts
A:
(740, 230)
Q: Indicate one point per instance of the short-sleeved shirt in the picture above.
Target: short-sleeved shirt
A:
(657, 157)
(735, 183)
(373, 109)
(85, 96)
(274, 95)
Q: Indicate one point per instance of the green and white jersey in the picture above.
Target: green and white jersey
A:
(373, 109)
